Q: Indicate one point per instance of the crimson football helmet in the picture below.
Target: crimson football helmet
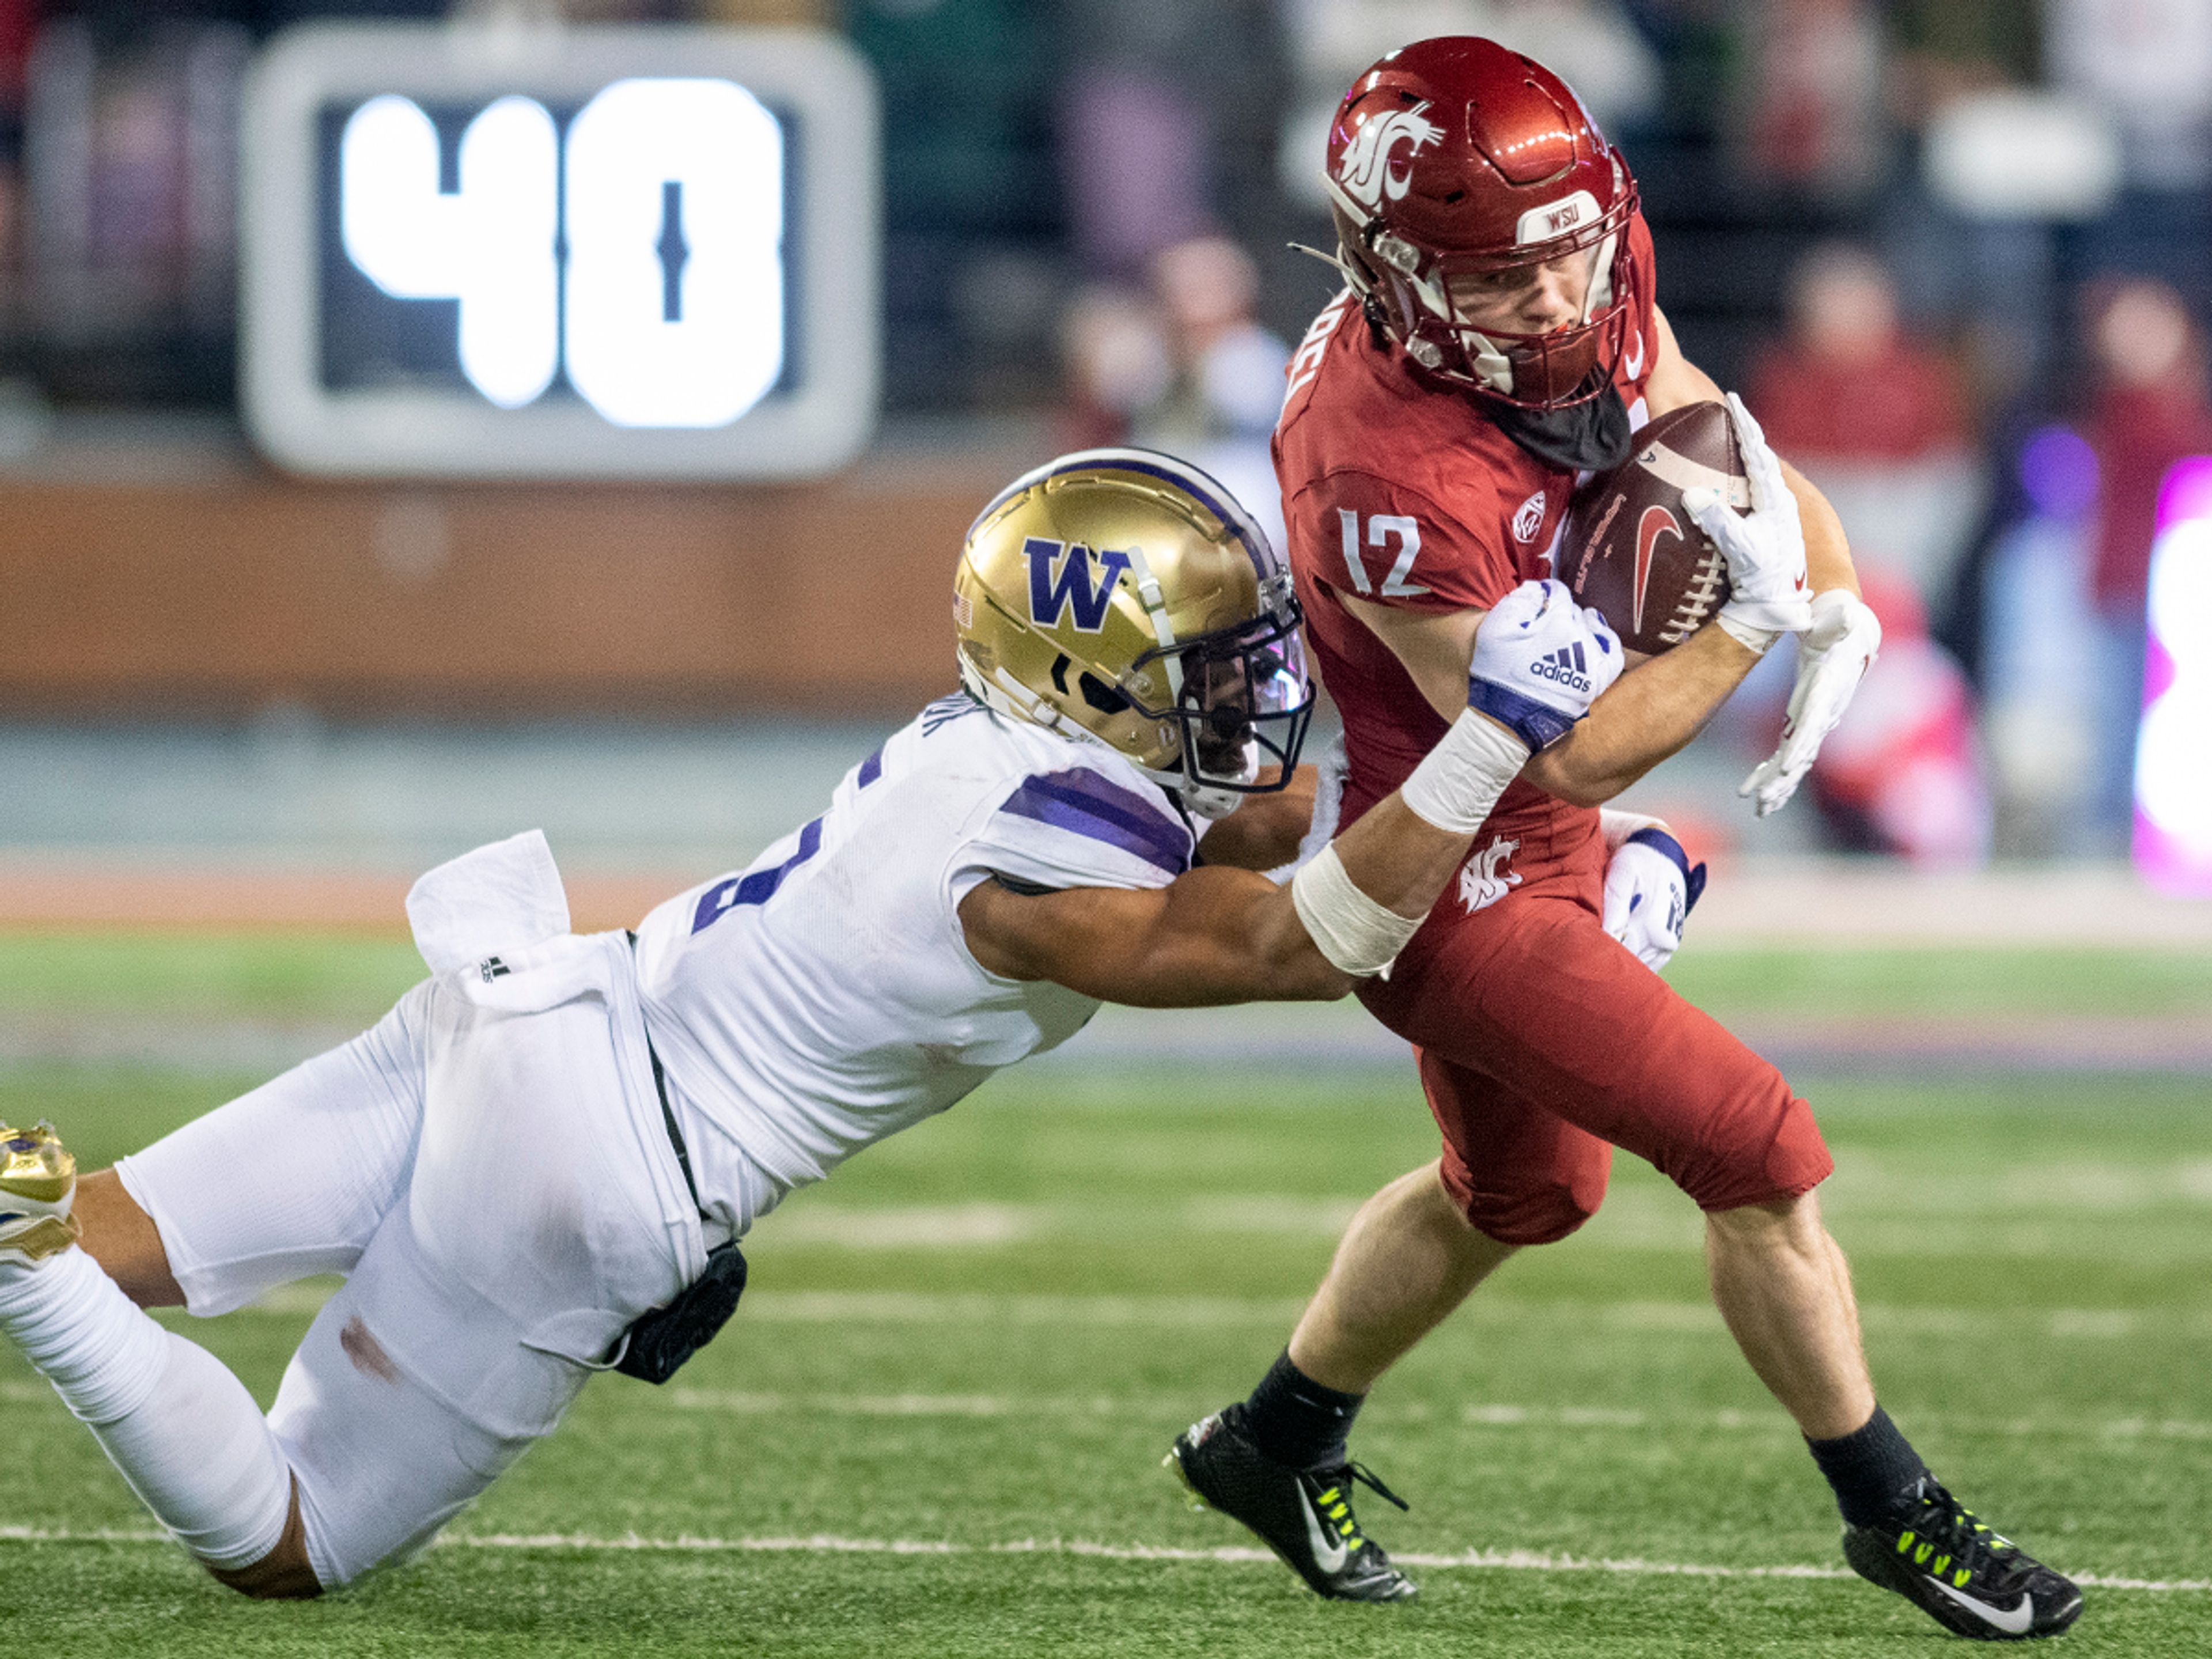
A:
(1457, 157)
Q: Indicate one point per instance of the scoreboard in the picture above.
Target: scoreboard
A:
(560, 252)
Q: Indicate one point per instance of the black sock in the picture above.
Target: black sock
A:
(1296, 1421)
(1871, 1470)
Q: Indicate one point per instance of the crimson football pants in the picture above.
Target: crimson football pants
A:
(1541, 1039)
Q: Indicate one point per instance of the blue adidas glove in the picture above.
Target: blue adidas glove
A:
(1650, 888)
(1541, 660)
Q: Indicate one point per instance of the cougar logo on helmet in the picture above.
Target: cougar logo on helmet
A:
(1514, 174)
(1365, 171)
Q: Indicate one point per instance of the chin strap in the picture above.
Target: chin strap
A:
(1342, 267)
(1212, 804)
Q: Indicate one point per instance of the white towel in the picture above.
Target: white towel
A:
(498, 901)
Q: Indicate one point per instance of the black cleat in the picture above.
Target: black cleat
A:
(1305, 1518)
(1967, 1577)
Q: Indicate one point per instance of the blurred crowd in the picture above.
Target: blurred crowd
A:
(1957, 253)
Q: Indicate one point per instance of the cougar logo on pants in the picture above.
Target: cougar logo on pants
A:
(1484, 879)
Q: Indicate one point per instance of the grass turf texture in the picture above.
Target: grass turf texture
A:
(305, 975)
(986, 1331)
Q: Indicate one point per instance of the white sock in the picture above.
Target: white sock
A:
(183, 1431)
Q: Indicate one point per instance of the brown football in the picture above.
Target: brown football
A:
(1629, 550)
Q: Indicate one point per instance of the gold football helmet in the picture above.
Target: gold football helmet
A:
(1125, 596)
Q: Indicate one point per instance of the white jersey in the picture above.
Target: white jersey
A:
(824, 997)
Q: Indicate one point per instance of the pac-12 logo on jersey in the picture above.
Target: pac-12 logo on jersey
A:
(1052, 594)
(1529, 518)
(1366, 172)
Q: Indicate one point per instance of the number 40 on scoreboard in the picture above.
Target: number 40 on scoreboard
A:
(580, 253)
(673, 210)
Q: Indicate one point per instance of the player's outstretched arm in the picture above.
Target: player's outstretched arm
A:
(1220, 935)
(1216, 934)
(1264, 831)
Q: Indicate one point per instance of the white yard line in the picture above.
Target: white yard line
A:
(1483, 1414)
(1162, 1408)
(832, 1544)
(981, 1310)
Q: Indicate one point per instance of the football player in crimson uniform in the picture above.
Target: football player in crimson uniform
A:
(1498, 334)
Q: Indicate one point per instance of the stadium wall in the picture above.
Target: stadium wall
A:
(223, 594)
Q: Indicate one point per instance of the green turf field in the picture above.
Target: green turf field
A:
(935, 1425)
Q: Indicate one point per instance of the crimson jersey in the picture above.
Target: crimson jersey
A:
(1402, 492)
(1542, 1044)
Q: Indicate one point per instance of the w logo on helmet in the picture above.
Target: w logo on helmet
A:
(1365, 171)
(1051, 595)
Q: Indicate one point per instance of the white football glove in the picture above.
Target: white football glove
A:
(1541, 660)
(1650, 888)
(1832, 658)
(1768, 588)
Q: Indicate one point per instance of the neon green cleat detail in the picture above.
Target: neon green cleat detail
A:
(1941, 1557)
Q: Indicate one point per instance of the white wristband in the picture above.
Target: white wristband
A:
(1459, 781)
(1360, 936)
(1757, 641)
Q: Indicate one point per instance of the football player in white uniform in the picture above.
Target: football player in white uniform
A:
(538, 1163)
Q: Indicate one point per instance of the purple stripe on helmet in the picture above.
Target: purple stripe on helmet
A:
(1183, 476)
(1084, 804)
(1180, 473)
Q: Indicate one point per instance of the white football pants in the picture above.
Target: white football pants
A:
(496, 1183)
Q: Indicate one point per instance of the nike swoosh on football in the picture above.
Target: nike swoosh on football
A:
(2013, 1621)
(1656, 521)
(1329, 1553)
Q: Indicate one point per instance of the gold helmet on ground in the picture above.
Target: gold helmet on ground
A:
(1125, 595)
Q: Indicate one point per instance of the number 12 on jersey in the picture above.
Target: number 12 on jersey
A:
(1382, 530)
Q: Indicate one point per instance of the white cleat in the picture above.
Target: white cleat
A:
(38, 1183)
